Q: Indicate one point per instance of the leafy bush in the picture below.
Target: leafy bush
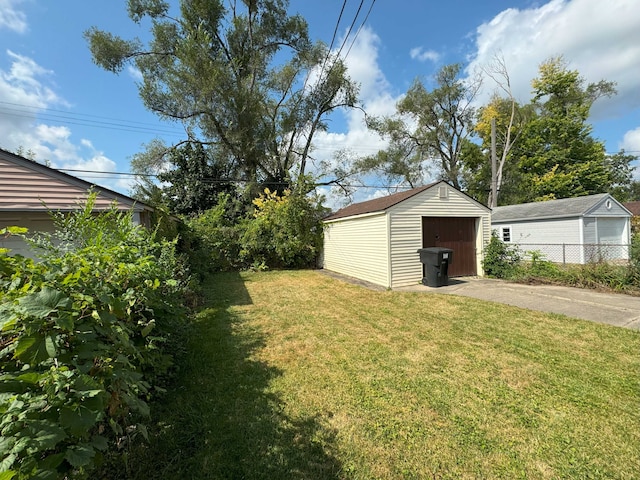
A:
(539, 267)
(212, 239)
(284, 232)
(501, 260)
(83, 342)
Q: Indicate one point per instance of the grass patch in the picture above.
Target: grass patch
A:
(295, 375)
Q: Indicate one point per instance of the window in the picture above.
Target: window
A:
(506, 234)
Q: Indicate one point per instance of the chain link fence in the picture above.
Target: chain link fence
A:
(577, 253)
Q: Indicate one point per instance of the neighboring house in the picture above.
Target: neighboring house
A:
(570, 230)
(634, 208)
(29, 190)
(377, 241)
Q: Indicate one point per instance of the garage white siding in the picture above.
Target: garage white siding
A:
(406, 229)
(546, 231)
(359, 247)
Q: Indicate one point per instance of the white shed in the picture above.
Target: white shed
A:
(570, 230)
(377, 240)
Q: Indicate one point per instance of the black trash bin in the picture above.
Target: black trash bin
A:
(435, 268)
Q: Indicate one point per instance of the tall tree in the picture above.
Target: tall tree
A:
(622, 184)
(508, 118)
(429, 126)
(558, 156)
(242, 77)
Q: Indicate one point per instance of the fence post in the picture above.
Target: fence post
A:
(564, 254)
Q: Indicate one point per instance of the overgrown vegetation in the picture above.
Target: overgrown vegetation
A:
(280, 231)
(500, 260)
(509, 263)
(87, 337)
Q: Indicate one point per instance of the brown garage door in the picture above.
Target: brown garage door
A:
(458, 234)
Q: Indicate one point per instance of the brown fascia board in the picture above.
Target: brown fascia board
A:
(377, 204)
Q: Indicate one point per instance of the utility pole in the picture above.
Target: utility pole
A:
(493, 198)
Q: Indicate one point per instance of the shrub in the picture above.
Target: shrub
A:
(83, 337)
(539, 267)
(212, 239)
(501, 260)
(284, 232)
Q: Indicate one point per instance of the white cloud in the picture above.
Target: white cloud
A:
(134, 73)
(419, 53)
(599, 39)
(375, 98)
(24, 93)
(631, 141)
(11, 18)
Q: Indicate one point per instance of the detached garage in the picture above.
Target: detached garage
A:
(377, 241)
(571, 230)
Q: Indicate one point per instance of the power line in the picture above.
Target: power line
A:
(360, 28)
(99, 174)
(346, 37)
(77, 119)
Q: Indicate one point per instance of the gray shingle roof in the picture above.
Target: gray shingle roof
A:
(566, 207)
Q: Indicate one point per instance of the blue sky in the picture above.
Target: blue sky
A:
(57, 103)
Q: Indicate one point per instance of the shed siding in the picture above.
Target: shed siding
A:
(544, 231)
(549, 237)
(406, 230)
(601, 210)
(611, 230)
(358, 247)
(589, 232)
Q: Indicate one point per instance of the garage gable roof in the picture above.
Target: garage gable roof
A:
(378, 204)
(563, 208)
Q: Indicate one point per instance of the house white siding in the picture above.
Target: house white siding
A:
(406, 229)
(35, 222)
(359, 247)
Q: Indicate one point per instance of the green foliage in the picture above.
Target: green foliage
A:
(507, 262)
(85, 340)
(546, 149)
(191, 176)
(285, 231)
(282, 231)
(212, 239)
(211, 65)
(621, 175)
(558, 156)
(500, 260)
(427, 125)
(539, 267)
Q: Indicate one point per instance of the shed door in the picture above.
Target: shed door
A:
(611, 230)
(458, 234)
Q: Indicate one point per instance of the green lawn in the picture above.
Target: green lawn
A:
(296, 375)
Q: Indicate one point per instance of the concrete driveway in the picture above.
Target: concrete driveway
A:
(613, 309)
